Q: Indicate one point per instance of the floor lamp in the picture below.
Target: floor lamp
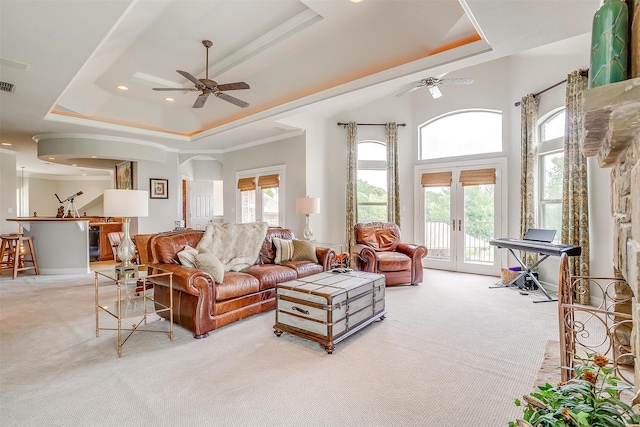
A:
(126, 204)
(307, 206)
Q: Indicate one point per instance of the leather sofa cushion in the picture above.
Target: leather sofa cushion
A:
(304, 268)
(236, 284)
(378, 237)
(270, 274)
(387, 239)
(268, 251)
(368, 237)
(167, 245)
(393, 261)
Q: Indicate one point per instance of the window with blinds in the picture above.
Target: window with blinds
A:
(478, 177)
(259, 198)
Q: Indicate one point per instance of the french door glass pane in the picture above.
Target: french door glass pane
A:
(437, 214)
(270, 206)
(478, 224)
(248, 206)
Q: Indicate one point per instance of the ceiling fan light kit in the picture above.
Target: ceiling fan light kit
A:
(432, 83)
(208, 87)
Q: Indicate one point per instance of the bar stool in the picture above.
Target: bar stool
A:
(16, 251)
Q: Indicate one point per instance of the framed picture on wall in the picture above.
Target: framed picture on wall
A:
(124, 176)
(158, 188)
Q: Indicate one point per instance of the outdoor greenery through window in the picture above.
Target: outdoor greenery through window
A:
(461, 133)
(551, 167)
(372, 181)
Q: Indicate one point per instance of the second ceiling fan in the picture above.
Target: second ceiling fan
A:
(432, 83)
(209, 87)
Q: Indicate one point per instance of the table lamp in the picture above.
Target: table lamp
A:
(126, 204)
(307, 206)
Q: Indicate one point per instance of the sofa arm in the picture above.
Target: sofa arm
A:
(364, 257)
(189, 280)
(326, 257)
(416, 253)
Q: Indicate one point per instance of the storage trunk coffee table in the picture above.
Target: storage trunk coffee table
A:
(329, 307)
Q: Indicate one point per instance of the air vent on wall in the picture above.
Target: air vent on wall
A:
(7, 87)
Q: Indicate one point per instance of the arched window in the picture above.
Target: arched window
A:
(372, 181)
(550, 169)
(461, 133)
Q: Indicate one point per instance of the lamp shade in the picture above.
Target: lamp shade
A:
(126, 203)
(308, 205)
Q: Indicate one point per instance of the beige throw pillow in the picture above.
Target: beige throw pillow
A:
(304, 250)
(187, 256)
(211, 264)
(284, 250)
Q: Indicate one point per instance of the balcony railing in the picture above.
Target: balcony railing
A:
(476, 249)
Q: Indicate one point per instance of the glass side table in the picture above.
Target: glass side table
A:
(129, 303)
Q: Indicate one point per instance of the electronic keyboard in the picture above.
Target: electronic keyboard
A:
(543, 248)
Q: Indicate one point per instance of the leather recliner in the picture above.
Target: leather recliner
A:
(378, 250)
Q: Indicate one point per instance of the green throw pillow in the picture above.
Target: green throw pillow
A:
(304, 250)
(210, 263)
(284, 250)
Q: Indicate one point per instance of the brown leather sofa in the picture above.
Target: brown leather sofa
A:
(378, 250)
(200, 304)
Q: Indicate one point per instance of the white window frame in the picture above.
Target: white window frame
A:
(257, 173)
(489, 154)
(373, 165)
(545, 148)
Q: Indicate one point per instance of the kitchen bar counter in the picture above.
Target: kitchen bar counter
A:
(61, 244)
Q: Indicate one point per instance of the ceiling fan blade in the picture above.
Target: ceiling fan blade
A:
(188, 89)
(232, 100)
(197, 82)
(234, 86)
(404, 92)
(462, 81)
(435, 92)
(201, 99)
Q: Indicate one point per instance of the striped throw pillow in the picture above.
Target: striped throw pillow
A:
(284, 250)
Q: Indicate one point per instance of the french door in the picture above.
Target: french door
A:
(460, 210)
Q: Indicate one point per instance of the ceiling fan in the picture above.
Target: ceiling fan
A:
(209, 87)
(432, 83)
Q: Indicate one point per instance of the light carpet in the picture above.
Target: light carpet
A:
(451, 352)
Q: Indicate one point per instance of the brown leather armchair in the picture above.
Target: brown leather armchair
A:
(378, 250)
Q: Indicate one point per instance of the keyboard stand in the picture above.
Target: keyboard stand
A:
(527, 271)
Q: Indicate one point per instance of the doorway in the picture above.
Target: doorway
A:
(460, 210)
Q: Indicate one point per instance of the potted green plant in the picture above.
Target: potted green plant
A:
(591, 398)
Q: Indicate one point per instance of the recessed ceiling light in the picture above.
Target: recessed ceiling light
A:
(94, 157)
(52, 158)
(169, 99)
(122, 87)
(84, 174)
(5, 143)
(73, 164)
(356, 1)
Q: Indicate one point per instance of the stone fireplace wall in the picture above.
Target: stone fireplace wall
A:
(612, 133)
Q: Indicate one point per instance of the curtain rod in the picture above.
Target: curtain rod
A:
(583, 73)
(370, 124)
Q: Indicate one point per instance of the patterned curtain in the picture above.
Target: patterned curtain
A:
(529, 118)
(575, 202)
(352, 183)
(393, 184)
